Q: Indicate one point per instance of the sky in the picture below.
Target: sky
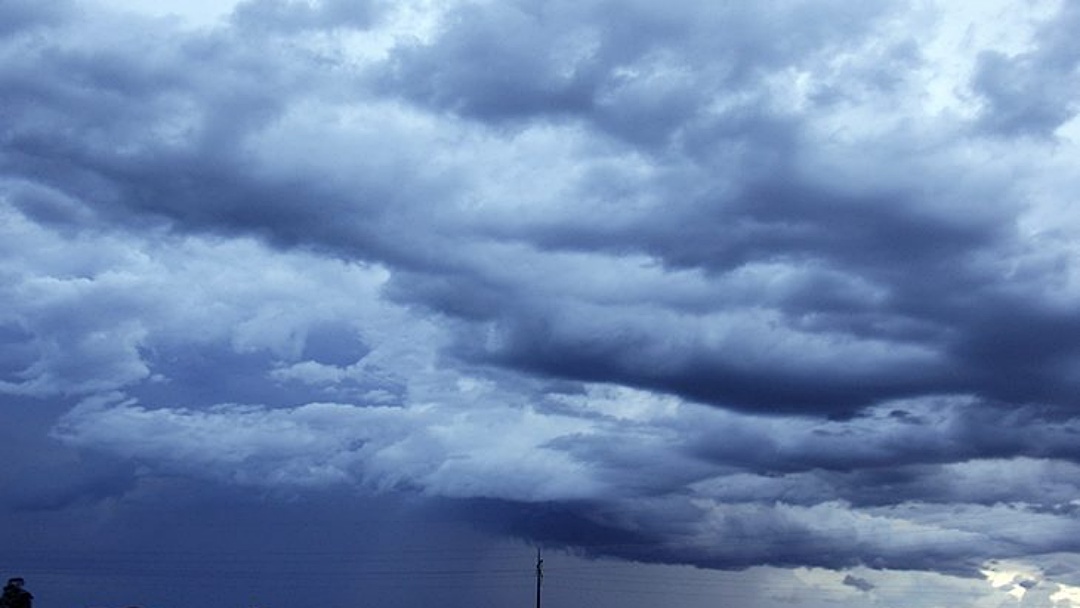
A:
(360, 302)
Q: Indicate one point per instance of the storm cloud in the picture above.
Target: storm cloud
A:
(729, 285)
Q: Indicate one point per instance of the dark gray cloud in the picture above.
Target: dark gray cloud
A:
(1032, 93)
(788, 285)
(885, 243)
(43, 475)
(858, 583)
(23, 15)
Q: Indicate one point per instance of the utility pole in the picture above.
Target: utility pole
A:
(539, 575)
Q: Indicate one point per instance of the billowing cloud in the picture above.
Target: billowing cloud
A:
(789, 284)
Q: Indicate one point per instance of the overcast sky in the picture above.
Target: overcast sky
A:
(358, 302)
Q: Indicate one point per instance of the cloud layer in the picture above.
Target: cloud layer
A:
(790, 283)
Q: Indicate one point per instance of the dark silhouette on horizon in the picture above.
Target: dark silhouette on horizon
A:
(15, 596)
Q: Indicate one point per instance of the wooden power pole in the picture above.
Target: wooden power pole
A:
(539, 575)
